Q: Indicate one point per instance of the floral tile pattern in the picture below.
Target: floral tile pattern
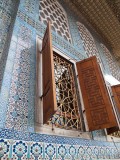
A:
(17, 95)
(40, 146)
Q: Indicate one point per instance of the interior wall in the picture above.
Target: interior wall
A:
(17, 96)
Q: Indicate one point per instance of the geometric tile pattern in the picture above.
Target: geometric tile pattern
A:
(75, 35)
(61, 44)
(77, 41)
(88, 41)
(57, 40)
(53, 11)
(113, 65)
(30, 6)
(102, 18)
(39, 146)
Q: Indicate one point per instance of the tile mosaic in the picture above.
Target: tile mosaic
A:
(58, 41)
(32, 145)
(37, 150)
(18, 104)
(87, 41)
(76, 39)
(19, 149)
(54, 12)
(18, 90)
(23, 39)
(30, 7)
(113, 64)
(4, 146)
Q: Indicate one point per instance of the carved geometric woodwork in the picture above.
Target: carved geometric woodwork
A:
(67, 115)
(98, 108)
(116, 95)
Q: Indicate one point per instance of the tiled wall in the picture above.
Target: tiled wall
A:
(20, 105)
(17, 96)
(21, 145)
(17, 92)
(112, 63)
(8, 10)
(52, 10)
(18, 89)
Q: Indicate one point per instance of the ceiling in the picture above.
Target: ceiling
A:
(104, 17)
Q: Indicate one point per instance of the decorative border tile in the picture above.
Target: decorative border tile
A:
(21, 149)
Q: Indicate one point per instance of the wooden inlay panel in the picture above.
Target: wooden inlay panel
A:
(97, 104)
(116, 94)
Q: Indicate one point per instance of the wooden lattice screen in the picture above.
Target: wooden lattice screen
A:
(67, 115)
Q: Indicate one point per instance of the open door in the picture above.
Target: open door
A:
(49, 91)
(98, 108)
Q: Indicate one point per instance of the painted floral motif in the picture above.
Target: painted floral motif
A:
(4, 148)
(72, 151)
(96, 151)
(62, 151)
(107, 152)
(89, 151)
(36, 149)
(50, 150)
(42, 150)
(102, 151)
(81, 151)
(20, 148)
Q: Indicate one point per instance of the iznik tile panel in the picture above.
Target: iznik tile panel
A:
(20, 111)
(39, 146)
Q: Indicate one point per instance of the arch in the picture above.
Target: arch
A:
(113, 66)
(53, 11)
(88, 41)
